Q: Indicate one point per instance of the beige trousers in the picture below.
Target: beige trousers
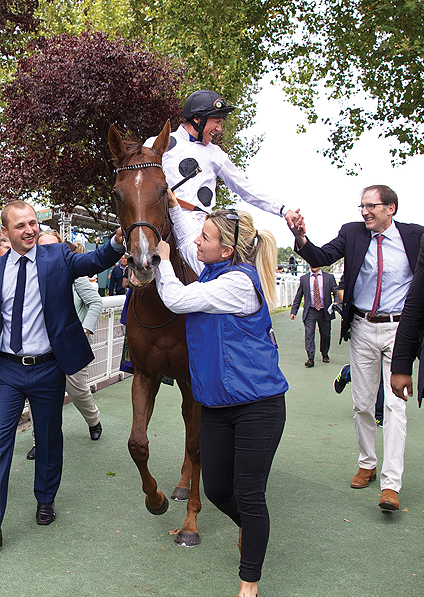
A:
(370, 355)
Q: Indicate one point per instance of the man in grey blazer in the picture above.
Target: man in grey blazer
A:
(316, 288)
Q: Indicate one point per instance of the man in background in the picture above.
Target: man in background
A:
(316, 287)
(116, 277)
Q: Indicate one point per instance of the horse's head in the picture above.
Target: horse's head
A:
(141, 195)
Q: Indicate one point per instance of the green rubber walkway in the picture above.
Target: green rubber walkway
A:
(327, 540)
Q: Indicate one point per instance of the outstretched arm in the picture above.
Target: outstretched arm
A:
(296, 224)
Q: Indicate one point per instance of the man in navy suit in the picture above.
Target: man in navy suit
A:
(315, 310)
(49, 343)
(380, 256)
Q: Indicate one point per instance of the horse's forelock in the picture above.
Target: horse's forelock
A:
(134, 147)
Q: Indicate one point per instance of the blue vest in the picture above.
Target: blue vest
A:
(233, 359)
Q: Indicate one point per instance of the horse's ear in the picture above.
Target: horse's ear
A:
(116, 143)
(162, 141)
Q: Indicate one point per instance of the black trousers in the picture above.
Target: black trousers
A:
(237, 445)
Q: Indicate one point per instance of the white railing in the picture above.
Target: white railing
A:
(107, 343)
(286, 286)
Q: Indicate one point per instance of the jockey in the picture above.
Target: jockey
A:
(190, 147)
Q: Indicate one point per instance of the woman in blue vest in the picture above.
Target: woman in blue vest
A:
(233, 365)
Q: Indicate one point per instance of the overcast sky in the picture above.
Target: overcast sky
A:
(288, 165)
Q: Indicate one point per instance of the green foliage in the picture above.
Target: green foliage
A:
(17, 24)
(364, 56)
(74, 16)
(283, 254)
(368, 56)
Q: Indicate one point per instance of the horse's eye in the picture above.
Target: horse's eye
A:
(165, 191)
(116, 196)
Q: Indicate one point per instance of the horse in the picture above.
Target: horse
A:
(156, 336)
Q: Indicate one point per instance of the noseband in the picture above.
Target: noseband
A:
(144, 223)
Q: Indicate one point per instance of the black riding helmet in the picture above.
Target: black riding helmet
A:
(203, 104)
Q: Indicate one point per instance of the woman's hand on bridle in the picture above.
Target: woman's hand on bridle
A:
(172, 200)
(163, 250)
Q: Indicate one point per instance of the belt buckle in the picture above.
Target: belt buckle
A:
(368, 316)
(24, 361)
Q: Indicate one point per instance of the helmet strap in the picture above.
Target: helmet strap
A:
(199, 127)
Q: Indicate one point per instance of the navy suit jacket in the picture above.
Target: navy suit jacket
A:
(352, 243)
(329, 286)
(57, 268)
(409, 337)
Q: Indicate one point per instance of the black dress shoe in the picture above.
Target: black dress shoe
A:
(31, 454)
(96, 431)
(45, 513)
(309, 363)
(325, 359)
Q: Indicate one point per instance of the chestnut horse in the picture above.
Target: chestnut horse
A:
(156, 337)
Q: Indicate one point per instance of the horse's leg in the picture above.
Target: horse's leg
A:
(144, 390)
(188, 535)
(182, 490)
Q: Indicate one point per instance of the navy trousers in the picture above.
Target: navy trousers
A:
(237, 445)
(44, 386)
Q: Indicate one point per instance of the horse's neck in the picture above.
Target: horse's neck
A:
(182, 270)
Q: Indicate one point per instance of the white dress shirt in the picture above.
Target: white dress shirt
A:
(34, 333)
(320, 279)
(233, 292)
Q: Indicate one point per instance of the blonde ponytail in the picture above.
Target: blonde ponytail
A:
(257, 248)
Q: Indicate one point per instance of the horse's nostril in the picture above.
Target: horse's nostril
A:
(155, 260)
(130, 259)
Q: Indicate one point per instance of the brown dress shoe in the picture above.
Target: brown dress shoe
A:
(309, 363)
(389, 500)
(363, 477)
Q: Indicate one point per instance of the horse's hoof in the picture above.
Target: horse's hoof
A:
(161, 510)
(187, 539)
(181, 494)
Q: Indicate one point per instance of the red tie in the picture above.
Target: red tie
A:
(377, 297)
(317, 296)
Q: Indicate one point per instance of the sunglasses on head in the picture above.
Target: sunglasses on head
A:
(233, 215)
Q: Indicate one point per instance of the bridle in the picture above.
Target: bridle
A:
(126, 233)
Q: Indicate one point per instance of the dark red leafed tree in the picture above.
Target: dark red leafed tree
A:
(59, 108)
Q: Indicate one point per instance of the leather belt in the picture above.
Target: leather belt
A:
(384, 318)
(28, 360)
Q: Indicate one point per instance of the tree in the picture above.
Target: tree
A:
(368, 55)
(17, 23)
(283, 254)
(59, 108)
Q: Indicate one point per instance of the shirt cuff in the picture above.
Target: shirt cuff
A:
(165, 267)
(117, 246)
